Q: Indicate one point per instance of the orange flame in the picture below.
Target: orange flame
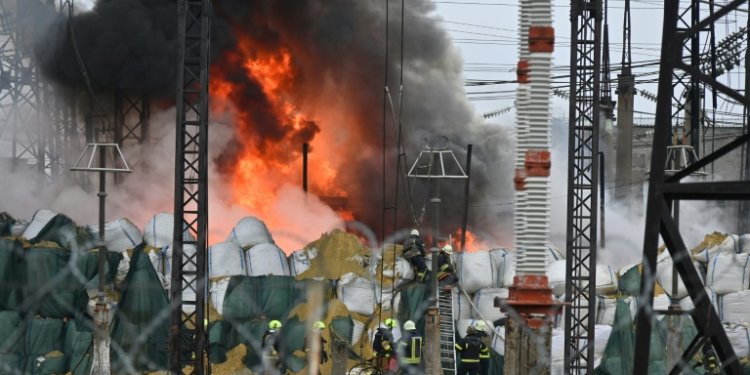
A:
(263, 164)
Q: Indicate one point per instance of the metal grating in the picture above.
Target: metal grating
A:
(188, 341)
(583, 169)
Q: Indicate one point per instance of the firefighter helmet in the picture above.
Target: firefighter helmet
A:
(390, 323)
(414, 232)
(274, 324)
(410, 326)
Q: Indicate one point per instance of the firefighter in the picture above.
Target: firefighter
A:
(414, 253)
(319, 327)
(484, 357)
(271, 342)
(382, 344)
(446, 273)
(469, 349)
(410, 349)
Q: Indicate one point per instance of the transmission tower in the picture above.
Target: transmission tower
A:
(678, 71)
(189, 276)
(132, 117)
(583, 178)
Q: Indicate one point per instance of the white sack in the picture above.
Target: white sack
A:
(226, 259)
(357, 293)
(606, 279)
(299, 261)
(505, 261)
(484, 300)
(404, 272)
(735, 307)
(484, 269)
(218, 289)
(686, 304)
(661, 302)
(385, 298)
(557, 360)
(556, 275)
(17, 229)
(464, 324)
(554, 254)
(159, 231)
(266, 259)
(119, 235)
(40, 220)
(461, 305)
(739, 337)
(497, 341)
(745, 243)
(357, 330)
(249, 232)
(664, 270)
(122, 269)
(730, 245)
(728, 273)
(605, 310)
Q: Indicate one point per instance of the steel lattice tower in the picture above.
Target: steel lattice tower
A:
(583, 177)
(665, 191)
(188, 341)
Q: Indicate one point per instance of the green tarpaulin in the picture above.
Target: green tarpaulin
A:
(414, 303)
(6, 222)
(43, 337)
(11, 272)
(266, 297)
(140, 329)
(630, 281)
(79, 347)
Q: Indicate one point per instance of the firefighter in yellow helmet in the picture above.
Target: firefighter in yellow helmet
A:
(271, 343)
(446, 273)
(470, 348)
(484, 357)
(410, 349)
(414, 253)
(382, 344)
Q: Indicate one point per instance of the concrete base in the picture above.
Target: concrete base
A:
(431, 352)
(527, 348)
(101, 365)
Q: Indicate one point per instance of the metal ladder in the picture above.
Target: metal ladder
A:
(447, 331)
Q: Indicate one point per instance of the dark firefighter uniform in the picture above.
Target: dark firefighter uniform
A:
(382, 346)
(414, 253)
(470, 348)
(410, 352)
(446, 273)
(484, 357)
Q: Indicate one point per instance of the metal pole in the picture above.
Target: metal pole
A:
(101, 315)
(674, 347)
(601, 199)
(305, 149)
(466, 197)
(435, 206)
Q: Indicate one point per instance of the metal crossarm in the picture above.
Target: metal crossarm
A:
(188, 340)
(583, 178)
(447, 331)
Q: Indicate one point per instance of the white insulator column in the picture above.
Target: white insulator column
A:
(522, 94)
(536, 208)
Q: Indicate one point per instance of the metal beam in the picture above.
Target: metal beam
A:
(189, 273)
(583, 169)
(724, 190)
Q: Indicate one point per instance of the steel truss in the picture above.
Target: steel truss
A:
(188, 341)
(663, 192)
(132, 118)
(583, 177)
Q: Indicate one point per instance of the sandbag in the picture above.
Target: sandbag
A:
(250, 231)
(686, 304)
(556, 275)
(464, 324)
(664, 270)
(607, 306)
(159, 231)
(299, 261)
(50, 226)
(497, 341)
(606, 279)
(745, 243)
(461, 305)
(40, 222)
(119, 235)
(11, 272)
(661, 302)
(358, 330)
(385, 298)
(484, 269)
(266, 259)
(357, 293)
(729, 273)
(484, 300)
(43, 336)
(226, 259)
(735, 307)
(17, 229)
(78, 347)
(739, 337)
(729, 245)
(218, 290)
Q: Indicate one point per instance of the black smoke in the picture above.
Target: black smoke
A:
(130, 45)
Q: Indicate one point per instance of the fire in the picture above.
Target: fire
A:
(257, 88)
(473, 243)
